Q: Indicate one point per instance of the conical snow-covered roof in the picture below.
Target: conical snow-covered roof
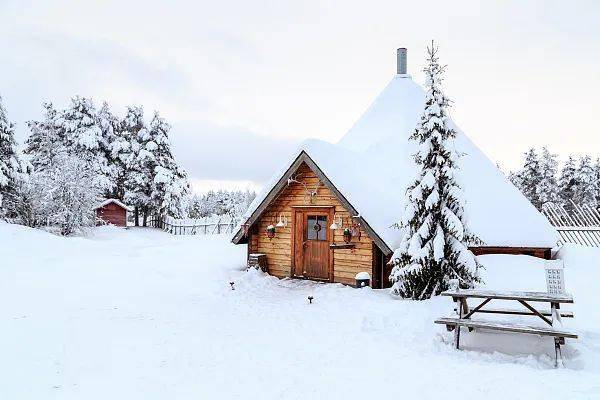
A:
(372, 165)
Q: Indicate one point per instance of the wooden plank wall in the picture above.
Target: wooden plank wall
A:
(346, 262)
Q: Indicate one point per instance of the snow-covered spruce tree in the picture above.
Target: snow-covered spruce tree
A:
(170, 188)
(434, 248)
(10, 166)
(115, 148)
(46, 139)
(547, 187)
(84, 140)
(529, 177)
(567, 182)
(139, 164)
(586, 189)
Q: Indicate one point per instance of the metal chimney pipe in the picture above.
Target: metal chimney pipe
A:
(401, 61)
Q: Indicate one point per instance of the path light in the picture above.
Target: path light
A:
(310, 299)
(231, 283)
(337, 223)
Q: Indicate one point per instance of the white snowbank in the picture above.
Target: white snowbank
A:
(140, 314)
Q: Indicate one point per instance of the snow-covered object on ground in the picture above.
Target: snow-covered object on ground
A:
(373, 164)
(362, 275)
(142, 314)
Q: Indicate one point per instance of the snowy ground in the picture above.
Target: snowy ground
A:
(140, 314)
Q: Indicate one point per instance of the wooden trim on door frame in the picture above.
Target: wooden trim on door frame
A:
(304, 209)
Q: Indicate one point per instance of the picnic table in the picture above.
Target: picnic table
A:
(552, 316)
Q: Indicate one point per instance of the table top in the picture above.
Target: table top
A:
(511, 295)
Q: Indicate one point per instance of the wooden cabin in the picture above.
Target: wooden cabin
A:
(358, 186)
(307, 246)
(112, 212)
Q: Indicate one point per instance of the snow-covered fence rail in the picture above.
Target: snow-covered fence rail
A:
(213, 225)
(575, 223)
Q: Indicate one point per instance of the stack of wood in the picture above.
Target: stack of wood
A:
(258, 260)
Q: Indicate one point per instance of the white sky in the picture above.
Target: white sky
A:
(243, 81)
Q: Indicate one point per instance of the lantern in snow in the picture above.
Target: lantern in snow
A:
(363, 279)
(270, 231)
(347, 235)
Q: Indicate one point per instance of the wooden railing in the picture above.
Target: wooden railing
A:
(575, 223)
(214, 225)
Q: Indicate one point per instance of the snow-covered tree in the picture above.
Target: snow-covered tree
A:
(140, 163)
(59, 197)
(10, 166)
(547, 188)
(83, 138)
(170, 188)
(586, 177)
(529, 177)
(568, 183)
(434, 248)
(115, 147)
(46, 139)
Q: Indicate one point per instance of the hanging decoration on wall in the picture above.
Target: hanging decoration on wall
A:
(355, 230)
(310, 194)
(347, 235)
(270, 231)
(283, 221)
(337, 223)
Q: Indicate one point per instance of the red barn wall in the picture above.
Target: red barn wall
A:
(112, 214)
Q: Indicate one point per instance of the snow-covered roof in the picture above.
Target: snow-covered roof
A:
(116, 201)
(372, 165)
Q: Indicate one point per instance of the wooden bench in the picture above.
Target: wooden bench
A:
(554, 328)
(500, 326)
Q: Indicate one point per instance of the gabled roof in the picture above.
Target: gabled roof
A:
(282, 180)
(372, 166)
(116, 201)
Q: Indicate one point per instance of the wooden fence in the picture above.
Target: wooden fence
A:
(575, 223)
(214, 225)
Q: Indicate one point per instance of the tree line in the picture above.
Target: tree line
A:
(541, 180)
(222, 202)
(75, 156)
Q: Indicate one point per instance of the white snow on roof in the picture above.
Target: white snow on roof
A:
(372, 166)
(116, 201)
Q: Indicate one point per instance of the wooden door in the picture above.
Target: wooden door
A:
(312, 240)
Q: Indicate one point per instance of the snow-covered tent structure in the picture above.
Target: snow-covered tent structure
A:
(359, 184)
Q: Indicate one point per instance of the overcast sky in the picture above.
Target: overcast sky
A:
(242, 82)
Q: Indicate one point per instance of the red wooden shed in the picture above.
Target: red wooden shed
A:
(113, 212)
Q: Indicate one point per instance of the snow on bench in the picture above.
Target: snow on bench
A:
(507, 327)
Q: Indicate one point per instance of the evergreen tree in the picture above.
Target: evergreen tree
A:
(139, 164)
(83, 138)
(115, 148)
(567, 183)
(586, 177)
(529, 178)
(46, 139)
(547, 188)
(434, 248)
(10, 167)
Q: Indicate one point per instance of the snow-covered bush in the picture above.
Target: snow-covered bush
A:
(10, 166)
(434, 248)
(59, 198)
